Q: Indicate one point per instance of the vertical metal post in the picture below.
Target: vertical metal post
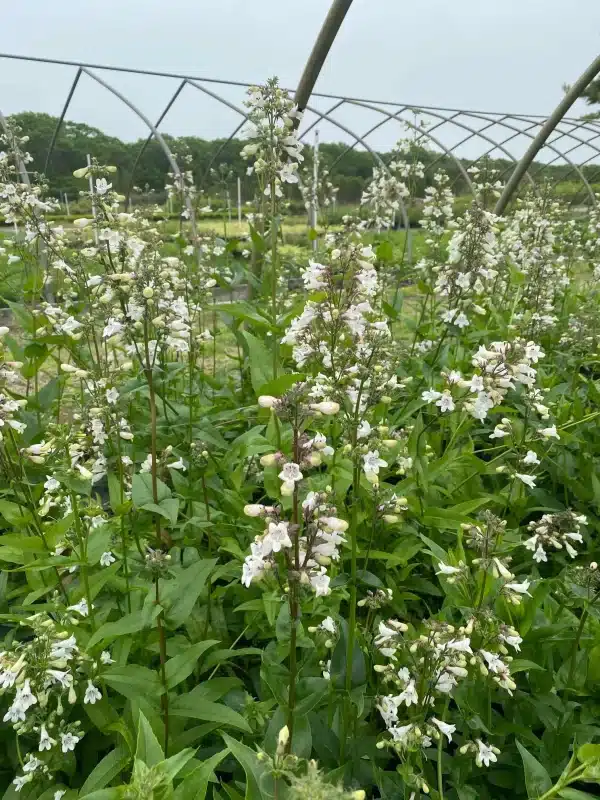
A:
(239, 199)
(91, 181)
(326, 37)
(314, 201)
(540, 140)
(67, 205)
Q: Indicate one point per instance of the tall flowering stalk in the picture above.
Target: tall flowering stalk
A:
(275, 153)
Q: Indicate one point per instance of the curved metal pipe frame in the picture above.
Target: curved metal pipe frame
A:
(541, 139)
(159, 138)
(558, 129)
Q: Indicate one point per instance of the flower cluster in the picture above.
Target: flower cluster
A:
(556, 531)
(44, 675)
(274, 145)
(319, 536)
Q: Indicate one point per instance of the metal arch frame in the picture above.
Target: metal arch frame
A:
(445, 151)
(540, 140)
(553, 128)
(369, 149)
(504, 124)
(157, 135)
(566, 158)
(61, 118)
(143, 148)
(434, 139)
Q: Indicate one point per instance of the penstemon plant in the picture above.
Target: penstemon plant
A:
(334, 541)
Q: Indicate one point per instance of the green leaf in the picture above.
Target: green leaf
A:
(141, 490)
(168, 508)
(13, 513)
(588, 752)
(148, 748)
(522, 665)
(338, 661)
(179, 667)
(259, 784)
(133, 681)
(106, 770)
(195, 785)
(195, 706)
(261, 361)
(179, 596)
(575, 794)
(171, 767)
(281, 384)
(385, 251)
(537, 779)
(130, 623)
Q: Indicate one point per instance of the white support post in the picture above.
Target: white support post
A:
(239, 199)
(315, 199)
(91, 180)
(67, 205)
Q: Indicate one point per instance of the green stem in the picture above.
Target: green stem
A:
(162, 642)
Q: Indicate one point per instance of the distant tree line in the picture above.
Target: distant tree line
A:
(351, 169)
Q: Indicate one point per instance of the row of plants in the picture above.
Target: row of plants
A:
(349, 553)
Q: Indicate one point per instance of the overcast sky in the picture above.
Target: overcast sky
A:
(490, 55)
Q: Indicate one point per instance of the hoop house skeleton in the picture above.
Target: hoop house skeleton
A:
(558, 139)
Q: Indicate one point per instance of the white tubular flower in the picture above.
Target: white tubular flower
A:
(550, 433)
(460, 645)
(80, 608)
(485, 754)
(531, 458)
(528, 480)
(46, 741)
(320, 583)
(68, 741)
(178, 465)
(275, 538)
(519, 588)
(106, 559)
(92, 694)
(371, 465)
(290, 473)
(409, 695)
(446, 569)
(445, 728)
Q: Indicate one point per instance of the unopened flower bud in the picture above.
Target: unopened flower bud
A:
(390, 518)
(148, 292)
(268, 460)
(327, 407)
(253, 510)
(267, 401)
(283, 738)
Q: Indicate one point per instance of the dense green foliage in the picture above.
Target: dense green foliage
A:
(335, 540)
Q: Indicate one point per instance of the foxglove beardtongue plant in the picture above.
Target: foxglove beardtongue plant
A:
(45, 675)
(275, 152)
(346, 544)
